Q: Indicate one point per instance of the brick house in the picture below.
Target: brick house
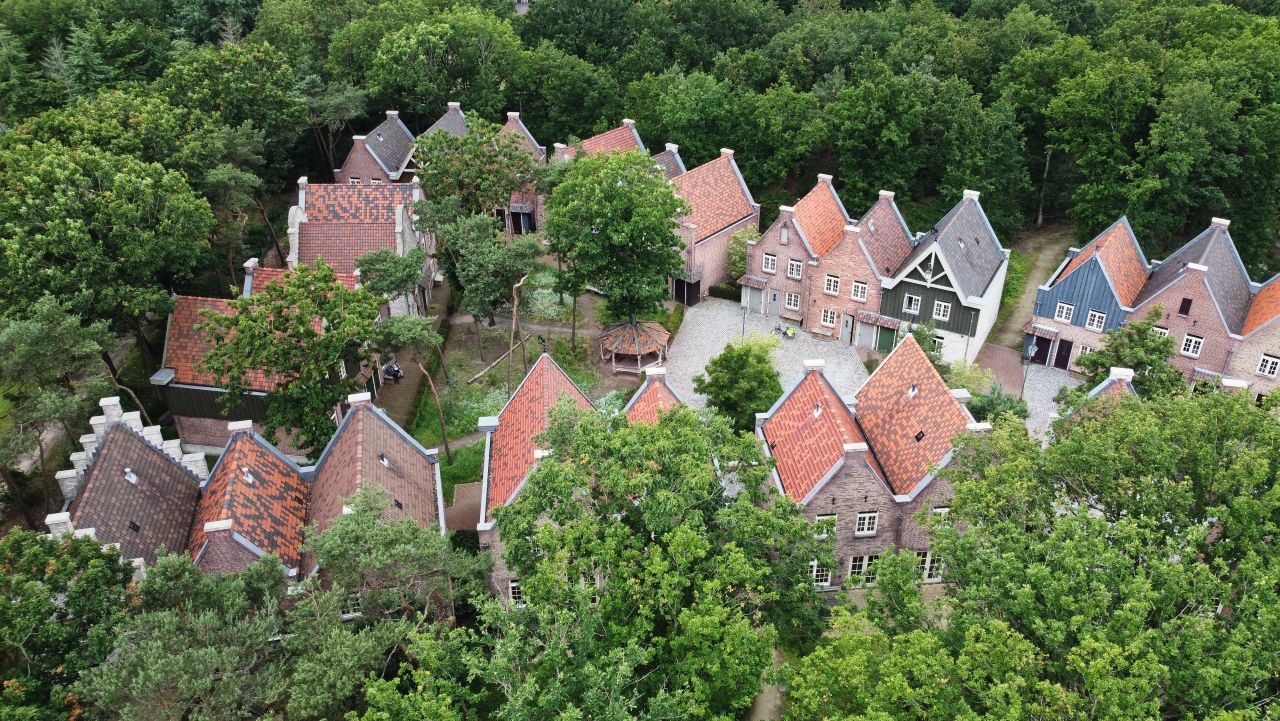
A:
(720, 204)
(1092, 292)
(864, 466)
(1256, 357)
(654, 397)
(669, 161)
(511, 453)
(953, 278)
(525, 212)
(620, 139)
(384, 155)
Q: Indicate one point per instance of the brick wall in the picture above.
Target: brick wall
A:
(712, 254)
(771, 243)
(213, 432)
(1203, 320)
(849, 264)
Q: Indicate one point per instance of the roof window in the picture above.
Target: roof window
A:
(130, 476)
(919, 436)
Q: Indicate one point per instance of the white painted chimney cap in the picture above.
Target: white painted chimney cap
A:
(1121, 374)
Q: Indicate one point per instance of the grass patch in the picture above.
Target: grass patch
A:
(467, 467)
(1015, 279)
(463, 405)
(576, 364)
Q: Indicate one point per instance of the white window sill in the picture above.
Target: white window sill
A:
(864, 534)
(770, 272)
(832, 293)
(1188, 355)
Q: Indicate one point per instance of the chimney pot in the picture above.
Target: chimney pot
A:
(1123, 374)
(971, 194)
(356, 400)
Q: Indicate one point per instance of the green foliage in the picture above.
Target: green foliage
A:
(467, 467)
(303, 328)
(736, 264)
(480, 169)
(386, 272)
(996, 402)
(63, 599)
(485, 267)
(462, 405)
(969, 376)
(924, 333)
(742, 381)
(1015, 280)
(1137, 346)
(576, 363)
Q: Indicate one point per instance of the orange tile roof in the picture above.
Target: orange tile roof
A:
(362, 203)
(821, 218)
(185, 346)
(909, 416)
(519, 423)
(1117, 250)
(653, 397)
(619, 139)
(341, 243)
(517, 127)
(262, 494)
(716, 196)
(806, 434)
(1264, 307)
(265, 276)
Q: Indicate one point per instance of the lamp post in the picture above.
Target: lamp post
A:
(1026, 367)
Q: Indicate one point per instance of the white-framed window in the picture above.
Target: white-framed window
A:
(828, 316)
(911, 304)
(831, 284)
(941, 510)
(794, 267)
(930, 566)
(1191, 345)
(375, 181)
(1084, 350)
(792, 301)
(863, 565)
(941, 310)
(1096, 320)
(867, 522)
(770, 263)
(514, 592)
(1064, 312)
(821, 575)
(1268, 365)
(1162, 332)
(859, 290)
(826, 524)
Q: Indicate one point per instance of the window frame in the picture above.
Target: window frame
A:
(786, 300)
(823, 518)
(944, 305)
(814, 570)
(1160, 331)
(831, 284)
(1272, 361)
(1184, 307)
(907, 304)
(1187, 339)
(868, 528)
(515, 593)
(769, 263)
(1088, 321)
(859, 285)
(823, 319)
(1062, 317)
(798, 265)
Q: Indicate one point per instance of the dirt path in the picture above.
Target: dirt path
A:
(1046, 247)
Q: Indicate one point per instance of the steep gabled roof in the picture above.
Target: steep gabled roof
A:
(391, 144)
(619, 139)
(717, 195)
(512, 443)
(185, 346)
(517, 127)
(348, 203)
(340, 244)
(821, 217)
(968, 245)
(806, 432)
(1227, 279)
(1116, 387)
(670, 161)
(1264, 307)
(909, 417)
(453, 122)
(262, 277)
(1116, 248)
(135, 495)
(653, 397)
(885, 235)
(262, 494)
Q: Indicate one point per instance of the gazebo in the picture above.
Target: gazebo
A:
(641, 345)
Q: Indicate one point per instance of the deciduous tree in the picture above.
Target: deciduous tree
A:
(481, 169)
(742, 381)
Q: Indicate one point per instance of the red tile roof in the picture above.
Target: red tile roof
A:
(185, 346)
(909, 416)
(262, 494)
(821, 218)
(619, 139)
(1117, 250)
(341, 243)
(523, 418)
(885, 235)
(806, 434)
(265, 276)
(1264, 307)
(716, 196)
(517, 127)
(654, 396)
(363, 203)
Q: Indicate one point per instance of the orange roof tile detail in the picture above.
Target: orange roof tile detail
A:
(263, 277)
(807, 433)
(1265, 306)
(185, 346)
(909, 416)
(715, 196)
(340, 244)
(821, 219)
(519, 423)
(1119, 257)
(619, 139)
(651, 399)
(263, 496)
(361, 203)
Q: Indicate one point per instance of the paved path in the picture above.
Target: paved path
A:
(710, 325)
(464, 514)
(1043, 383)
(1046, 247)
(1005, 365)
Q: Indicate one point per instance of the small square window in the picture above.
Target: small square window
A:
(826, 524)
(859, 290)
(1184, 308)
(1096, 320)
(399, 505)
(1268, 365)
(1084, 350)
(911, 304)
(1162, 332)
(867, 522)
(821, 576)
(1064, 312)
(770, 263)
(515, 593)
(1191, 345)
(941, 310)
(133, 526)
(869, 569)
(793, 301)
(375, 181)
(353, 181)
(831, 284)
(919, 436)
(794, 267)
(828, 316)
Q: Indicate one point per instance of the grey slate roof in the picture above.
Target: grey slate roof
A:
(968, 245)
(391, 144)
(670, 162)
(453, 122)
(1226, 276)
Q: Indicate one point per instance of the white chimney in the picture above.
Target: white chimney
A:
(814, 364)
(455, 105)
(59, 523)
(1220, 222)
(111, 408)
(196, 463)
(672, 147)
(824, 178)
(237, 426)
(886, 195)
(90, 443)
(656, 372)
(971, 194)
(68, 482)
(250, 266)
(962, 396)
(302, 193)
(629, 122)
(1121, 374)
(393, 114)
(356, 400)
(512, 115)
(726, 152)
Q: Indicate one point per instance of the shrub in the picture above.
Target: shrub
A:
(728, 291)
(1015, 279)
(674, 319)
(996, 402)
(543, 304)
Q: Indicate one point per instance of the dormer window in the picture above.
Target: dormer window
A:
(817, 410)
(919, 436)
(911, 392)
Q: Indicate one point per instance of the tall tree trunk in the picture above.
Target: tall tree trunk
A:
(515, 315)
(444, 369)
(475, 322)
(111, 365)
(444, 430)
(1044, 187)
(15, 493)
(144, 346)
(559, 281)
(284, 258)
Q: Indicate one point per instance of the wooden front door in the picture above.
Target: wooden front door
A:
(846, 329)
(1063, 358)
(1041, 353)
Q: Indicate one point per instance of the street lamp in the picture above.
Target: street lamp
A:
(1026, 367)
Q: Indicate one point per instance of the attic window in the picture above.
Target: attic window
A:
(911, 392)
(379, 136)
(872, 225)
(133, 526)
(919, 436)
(399, 505)
(1184, 308)
(817, 409)
(977, 240)
(382, 458)
(130, 476)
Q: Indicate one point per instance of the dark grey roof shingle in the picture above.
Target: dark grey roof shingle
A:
(453, 122)
(1226, 275)
(968, 245)
(391, 144)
